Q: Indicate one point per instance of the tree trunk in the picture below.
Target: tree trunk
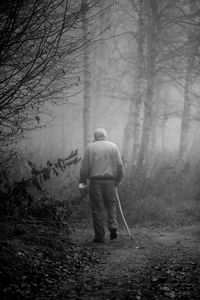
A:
(103, 20)
(150, 79)
(86, 80)
(190, 68)
(132, 128)
(128, 133)
(185, 122)
(63, 130)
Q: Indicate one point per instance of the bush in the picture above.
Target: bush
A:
(165, 197)
(18, 197)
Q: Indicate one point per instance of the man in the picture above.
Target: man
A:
(102, 165)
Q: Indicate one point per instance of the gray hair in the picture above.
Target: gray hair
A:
(100, 133)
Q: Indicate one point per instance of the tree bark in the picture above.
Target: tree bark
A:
(185, 122)
(189, 78)
(100, 49)
(150, 80)
(87, 77)
(132, 128)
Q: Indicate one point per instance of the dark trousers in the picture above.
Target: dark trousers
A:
(102, 194)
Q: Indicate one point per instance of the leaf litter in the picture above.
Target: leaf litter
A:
(60, 268)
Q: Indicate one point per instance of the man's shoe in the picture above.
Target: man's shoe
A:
(113, 234)
(96, 240)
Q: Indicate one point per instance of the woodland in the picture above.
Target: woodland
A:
(66, 68)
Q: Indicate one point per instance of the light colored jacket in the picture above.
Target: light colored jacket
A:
(101, 160)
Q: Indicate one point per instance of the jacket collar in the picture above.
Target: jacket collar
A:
(99, 139)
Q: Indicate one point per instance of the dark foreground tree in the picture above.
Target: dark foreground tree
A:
(38, 40)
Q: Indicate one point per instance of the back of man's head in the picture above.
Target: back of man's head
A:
(100, 133)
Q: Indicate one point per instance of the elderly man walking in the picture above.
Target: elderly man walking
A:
(102, 165)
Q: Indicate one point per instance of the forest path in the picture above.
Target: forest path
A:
(159, 263)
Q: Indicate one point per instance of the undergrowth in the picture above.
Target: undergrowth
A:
(167, 197)
(36, 252)
(36, 258)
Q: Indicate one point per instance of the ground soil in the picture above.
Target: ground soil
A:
(158, 263)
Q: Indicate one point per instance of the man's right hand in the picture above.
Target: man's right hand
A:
(82, 189)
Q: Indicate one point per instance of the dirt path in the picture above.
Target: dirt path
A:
(156, 264)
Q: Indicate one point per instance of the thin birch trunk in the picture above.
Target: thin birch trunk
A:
(150, 79)
(100, 64)
(190, 66)
(132, 128)
(87, 77)
(185, 122)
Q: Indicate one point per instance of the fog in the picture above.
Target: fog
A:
(62, 131)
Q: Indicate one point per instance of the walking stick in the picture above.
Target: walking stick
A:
(120, 208)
